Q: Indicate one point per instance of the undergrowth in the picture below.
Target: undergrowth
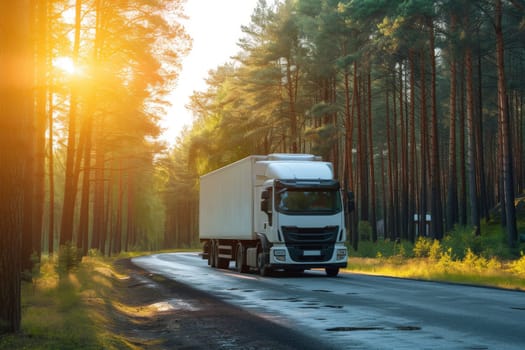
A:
(460, 256)
(63, 306)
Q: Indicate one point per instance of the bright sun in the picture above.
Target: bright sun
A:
(65, 64)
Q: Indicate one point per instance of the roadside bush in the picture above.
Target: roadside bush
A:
(518, 266)
(445, 261)
(422, 247)
(479, 263)
(365, 231)
(436, 251)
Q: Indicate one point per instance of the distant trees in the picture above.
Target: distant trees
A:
(414, 91)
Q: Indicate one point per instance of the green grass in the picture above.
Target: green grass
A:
(66, 311)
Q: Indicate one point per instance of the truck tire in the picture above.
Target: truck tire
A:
(223, 263)
(206, 252)
(262, 258)
(332, 271)
(240, 259)
(213, 254)
(220, 263)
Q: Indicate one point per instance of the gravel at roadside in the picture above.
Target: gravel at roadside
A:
(171, 315)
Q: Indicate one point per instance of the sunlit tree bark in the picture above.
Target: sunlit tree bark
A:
(16, 114)
(71, 180)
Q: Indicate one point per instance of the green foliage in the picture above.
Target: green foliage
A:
(518, 266)
(54, 315)
(384, 249)
(365, 231)
(436, 251)
(460, 257)
(422, 247)
(69, 258)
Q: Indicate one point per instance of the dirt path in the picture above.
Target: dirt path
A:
(157, 313)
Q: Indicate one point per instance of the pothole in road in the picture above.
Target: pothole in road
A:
(291, 299)
(355, 329)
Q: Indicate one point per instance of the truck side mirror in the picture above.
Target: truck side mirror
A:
(264, 201)
(350, 201)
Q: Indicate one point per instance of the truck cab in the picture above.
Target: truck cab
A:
(301, 217)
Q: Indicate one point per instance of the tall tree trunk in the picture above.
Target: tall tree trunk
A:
(292, 114)
(435, 173)
(71, 180)
(478, 124)
(471, 158)
(412, 176)
(503, 121)
(452, 188)
(99, 227)
(389, 213)
(354, 215)
(404, 214)
(83, 223)
(423, 206)
(462, 152)
(362, 151)
(348, 157)
(51, 179)
(86, 133)
(43, 65)
(372, 165)
(16, 115)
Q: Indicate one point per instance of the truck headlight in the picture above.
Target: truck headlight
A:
(341, 254)
(279, 254)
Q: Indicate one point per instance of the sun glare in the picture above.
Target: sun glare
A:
(65, 64)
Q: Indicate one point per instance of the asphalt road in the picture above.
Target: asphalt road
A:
(361, 312)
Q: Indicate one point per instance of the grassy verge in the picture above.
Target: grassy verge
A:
(460, 257)
(68, 310)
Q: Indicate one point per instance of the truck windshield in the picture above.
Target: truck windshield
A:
(308, 201)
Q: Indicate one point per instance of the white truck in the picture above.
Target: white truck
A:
(274, 212)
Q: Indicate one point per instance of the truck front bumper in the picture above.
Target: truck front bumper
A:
(281, 258)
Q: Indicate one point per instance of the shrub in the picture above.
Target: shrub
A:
(69, 257)
(422, 247)
(436, 251)
(365, 231)
(518, 266)
(445, 260)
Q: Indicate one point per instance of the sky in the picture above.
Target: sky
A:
(215, 27)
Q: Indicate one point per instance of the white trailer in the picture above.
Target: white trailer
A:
(281, 211)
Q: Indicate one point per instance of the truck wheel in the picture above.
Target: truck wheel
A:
(220, 263)
(223, 263)
(213, 254)
(264, 270)
(207, 252)
(240, 265)
(332, 271)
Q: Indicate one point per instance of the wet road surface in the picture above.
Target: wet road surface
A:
(358, 311)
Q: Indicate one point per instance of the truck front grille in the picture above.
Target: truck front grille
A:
(301, 242)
